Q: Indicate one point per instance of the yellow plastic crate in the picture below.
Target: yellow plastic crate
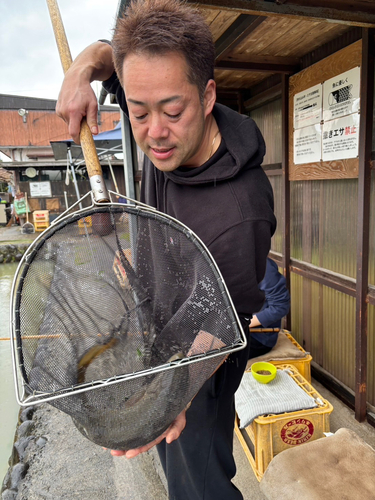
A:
(268, 435)
(85, 225)
(118, 268)
(41, 215)
(40, 219)
(303, 365)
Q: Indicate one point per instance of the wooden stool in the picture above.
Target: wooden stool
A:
(340, 466)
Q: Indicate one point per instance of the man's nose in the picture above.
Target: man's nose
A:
(158, 129)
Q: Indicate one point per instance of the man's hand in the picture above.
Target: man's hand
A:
(76, 101)
(171, 434)
(254, 322)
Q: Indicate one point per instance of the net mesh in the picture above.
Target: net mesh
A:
(124, 314)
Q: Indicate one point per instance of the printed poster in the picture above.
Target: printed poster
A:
(341, 95)
(20, 206)
(38, 189)
(307, 144)
(340, 138)
(308, 107)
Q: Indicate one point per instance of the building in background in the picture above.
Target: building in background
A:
(27, 127)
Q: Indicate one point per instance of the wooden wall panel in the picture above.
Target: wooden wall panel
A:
(337, 63)
(339, 169)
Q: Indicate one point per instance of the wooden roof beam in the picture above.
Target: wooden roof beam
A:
(287, 69)
(353, 13)
(263, 98)
(237, 31)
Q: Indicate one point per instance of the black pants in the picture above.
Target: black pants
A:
(257, 349)
(200, 464)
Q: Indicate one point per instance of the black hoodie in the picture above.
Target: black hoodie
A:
(227, 202)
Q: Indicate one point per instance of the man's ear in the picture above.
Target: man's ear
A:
(209, 97)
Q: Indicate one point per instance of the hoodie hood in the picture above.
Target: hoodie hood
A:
(242, 147)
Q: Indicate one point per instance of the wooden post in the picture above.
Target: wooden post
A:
(320, 348)
(306, 257)
(363, 224)
(286, 185)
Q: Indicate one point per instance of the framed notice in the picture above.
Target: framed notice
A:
(40, 189)
(324, 115)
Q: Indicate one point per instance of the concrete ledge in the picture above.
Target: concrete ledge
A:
(52, 460)
(12, 252)
(13, 243)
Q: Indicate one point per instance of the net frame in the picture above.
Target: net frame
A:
(25, 395)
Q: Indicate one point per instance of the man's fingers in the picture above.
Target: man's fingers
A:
(176, 428)
(171, 434)
(75, 127)
(73, 107)
(143, 449)
(76, 120)
(117, 453)
(92, 117)
(138, 451)
(72, 117)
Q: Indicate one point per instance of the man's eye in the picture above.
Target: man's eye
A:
(173, 116)
(140, 117)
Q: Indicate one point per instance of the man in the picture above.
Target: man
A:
(202, 167)
(275, 307)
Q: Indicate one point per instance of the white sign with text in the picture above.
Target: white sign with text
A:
(341, 95)
(308, 107)
(307, 144)
(40, 189)
(340, 138)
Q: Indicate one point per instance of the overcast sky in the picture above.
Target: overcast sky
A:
(29, 60)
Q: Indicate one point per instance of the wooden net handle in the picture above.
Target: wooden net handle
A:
(87, 141)
(264, 330)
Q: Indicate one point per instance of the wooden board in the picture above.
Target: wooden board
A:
(275, 36)
(219, 20)
(337, 63)
(277, 40)
(236, 80)
(52, 204)
(349, 12)
(33, 204)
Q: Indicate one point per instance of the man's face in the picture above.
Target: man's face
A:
(168, 119)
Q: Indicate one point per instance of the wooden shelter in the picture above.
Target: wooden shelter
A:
(271, 56)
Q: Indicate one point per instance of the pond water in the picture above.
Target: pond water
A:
(8, 405)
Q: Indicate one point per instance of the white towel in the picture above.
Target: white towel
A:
(281, 395)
